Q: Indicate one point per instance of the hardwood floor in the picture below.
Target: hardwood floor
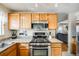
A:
(74, 46)
(64, 47)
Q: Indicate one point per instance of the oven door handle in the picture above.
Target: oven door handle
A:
(39, 48)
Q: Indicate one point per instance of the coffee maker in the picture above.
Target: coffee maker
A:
(14, 34)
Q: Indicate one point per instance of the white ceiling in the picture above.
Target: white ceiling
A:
(43, 7)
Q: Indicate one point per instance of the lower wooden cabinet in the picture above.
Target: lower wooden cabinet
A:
(18, 49)
(24, 49)
(24, 52)
(11, 51)
(56, 49)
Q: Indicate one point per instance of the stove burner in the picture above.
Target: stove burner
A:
(40, 39)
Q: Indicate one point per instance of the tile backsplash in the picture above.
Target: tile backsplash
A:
(29, 34)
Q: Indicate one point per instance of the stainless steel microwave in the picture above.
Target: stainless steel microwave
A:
(42, 25)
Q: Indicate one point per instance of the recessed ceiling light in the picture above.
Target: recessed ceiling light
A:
(56, 4)
(53, 4)
(36, 5)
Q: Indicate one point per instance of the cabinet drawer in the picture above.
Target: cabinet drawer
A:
(24, 50)
(13, 53)
(56, 45)
(24, 46)
(24, 54)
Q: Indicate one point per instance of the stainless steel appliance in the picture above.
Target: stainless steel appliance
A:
(41, 25)
(40, 45)
(39, 51)
(14, 34)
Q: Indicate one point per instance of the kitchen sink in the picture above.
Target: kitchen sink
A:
(2, 45)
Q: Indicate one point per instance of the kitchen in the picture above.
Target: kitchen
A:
(31, 31)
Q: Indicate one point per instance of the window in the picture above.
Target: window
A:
(0, 26)
(2, 21)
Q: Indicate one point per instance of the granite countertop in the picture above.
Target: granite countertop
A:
(54, 40)
(5, 47)
(10, 42)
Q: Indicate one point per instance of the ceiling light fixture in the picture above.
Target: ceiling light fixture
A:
(56, 4)
(36, 5)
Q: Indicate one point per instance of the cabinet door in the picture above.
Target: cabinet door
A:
(35, 16)
(56, 51)
(52, 21)
(12, 53)
(43, 16)
(24, 52)
(25, 21)
(24, 49)
(13, 21)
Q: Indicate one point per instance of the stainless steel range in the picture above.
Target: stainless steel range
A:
(40, 45)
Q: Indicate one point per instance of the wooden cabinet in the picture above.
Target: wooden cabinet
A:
(35, 16)
(25, 21)
(18, 49)
(24, 49)
(52, 21)
(13, 21)
(43, 16)
(24, 52)
(56, 49)
(11, 51)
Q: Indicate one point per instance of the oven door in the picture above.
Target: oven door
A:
(39, 52)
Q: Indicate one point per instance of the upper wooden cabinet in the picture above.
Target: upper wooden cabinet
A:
(35, 16)
(43, 16)
(13, 20)
(25, 21)
(52, 21)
